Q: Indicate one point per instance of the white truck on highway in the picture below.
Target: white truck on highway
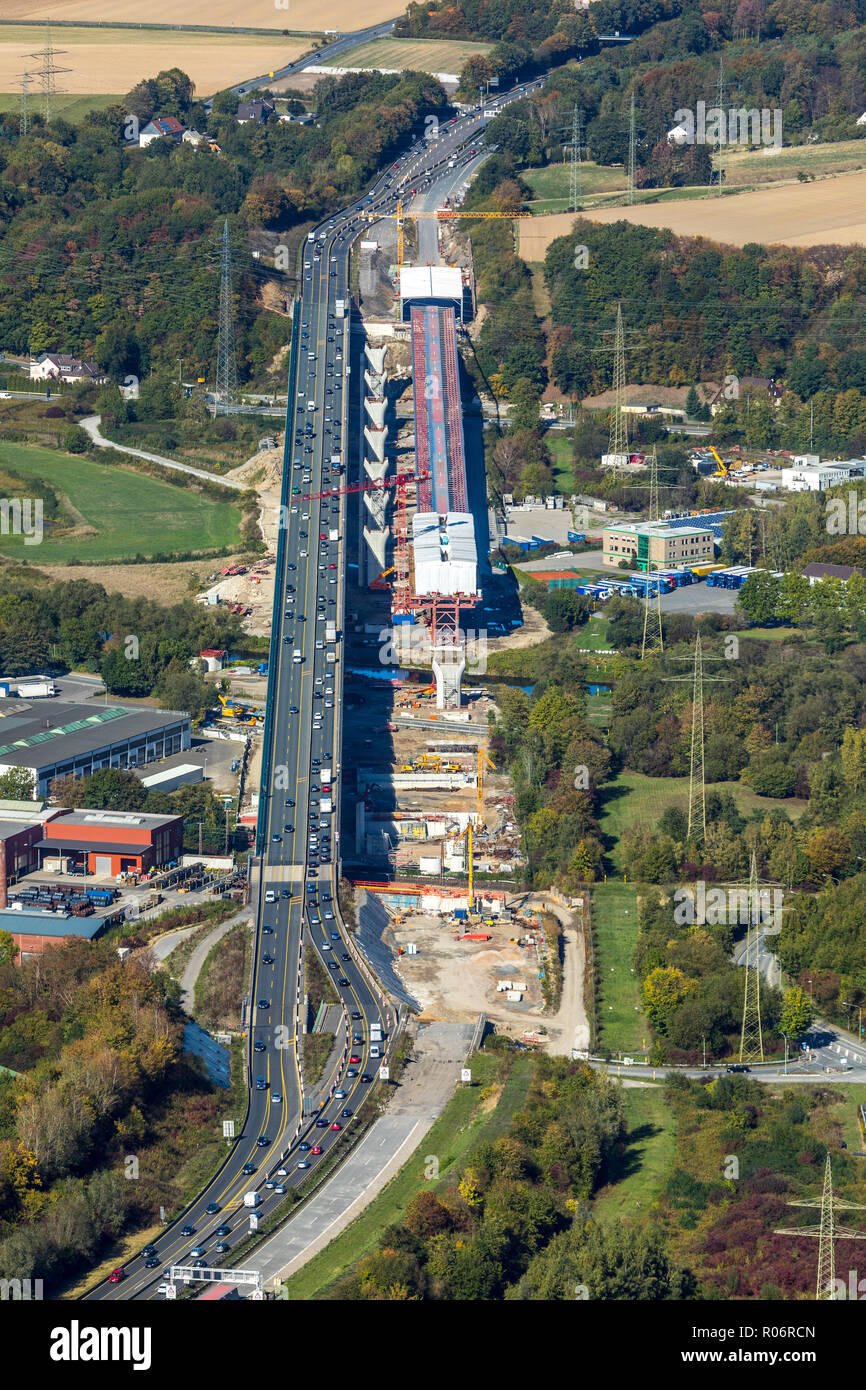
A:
(330, 632)
(251, 1199)
(340, 307)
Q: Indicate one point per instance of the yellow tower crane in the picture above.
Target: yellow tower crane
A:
(467, 835)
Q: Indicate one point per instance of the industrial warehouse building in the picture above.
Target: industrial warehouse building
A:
(34, 932)
(111, 842)
(655, 543)
(52, 740)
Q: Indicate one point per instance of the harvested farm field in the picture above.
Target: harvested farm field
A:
(301, 16)
(829, 212)
(114, 60)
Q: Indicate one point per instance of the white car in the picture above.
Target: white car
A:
(305, 516)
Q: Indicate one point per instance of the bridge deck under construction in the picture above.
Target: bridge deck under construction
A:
(438, 419)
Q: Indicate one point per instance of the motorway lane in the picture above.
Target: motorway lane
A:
(303, 742)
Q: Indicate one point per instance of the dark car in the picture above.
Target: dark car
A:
(248, 1169)
(223, 1230)
(365, 1076)
(187, 1230)
(269, 960)
(264, 1003)
(738, 1066)
(221, 1248)
(304, 1147)
(151, 1262)
(346, 1114)
(321, 1124)
(212, 1208)
(342, 981)
(344, 956)
(355, 1014)
(149, 1250)
(263, 1141)
(267, 931)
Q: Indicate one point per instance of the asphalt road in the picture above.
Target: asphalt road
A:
(302, 876)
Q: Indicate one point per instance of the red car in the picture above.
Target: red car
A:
(353, 1058)
(315, 1149)
(116, 1275)
(323, 535)
(336, 1126)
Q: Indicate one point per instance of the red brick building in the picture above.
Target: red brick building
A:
(113, 842)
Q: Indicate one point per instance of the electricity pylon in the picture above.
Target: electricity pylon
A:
(827, 1233)
(227, 367)
(48, 72)
(574, 172)
(618, 439)
(751, 1036)
(657, 641)
(656, 636)
(697, 785)
(632, 144)
(24, 119)
(720, 103)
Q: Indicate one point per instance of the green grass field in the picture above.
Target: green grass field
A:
(632, 799)
(71, 108)
(767, 634)
(621, 1023)
(552, 183)
(419, 55)
(561, 451)
(639, 1174)
(121, 513)
(462, 1123)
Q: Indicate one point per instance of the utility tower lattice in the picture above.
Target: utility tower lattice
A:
(48, 72)
(751, 1036)
(574, 172)
(227, 367)
(632, 146)
(24, 120)
(618, 440)
(697, 785)
(720, 103)
(827, 1233)
(657, 641)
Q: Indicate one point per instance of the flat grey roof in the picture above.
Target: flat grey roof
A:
(40, 733)
(115, 820)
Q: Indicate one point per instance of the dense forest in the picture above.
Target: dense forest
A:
(112, 252)
(138, 645)
(101, 1125)
(806, 59)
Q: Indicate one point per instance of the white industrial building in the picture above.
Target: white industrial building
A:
(432, 282)
(818, 477)
(446, 557)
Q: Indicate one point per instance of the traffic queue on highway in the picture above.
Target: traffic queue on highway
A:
(286, 1131)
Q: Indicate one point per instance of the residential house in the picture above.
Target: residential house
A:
(60, 366)
(258, 111)
(161, 126)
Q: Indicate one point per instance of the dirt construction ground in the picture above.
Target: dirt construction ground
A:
(114, 60)
(827, 212)
(457, 980)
